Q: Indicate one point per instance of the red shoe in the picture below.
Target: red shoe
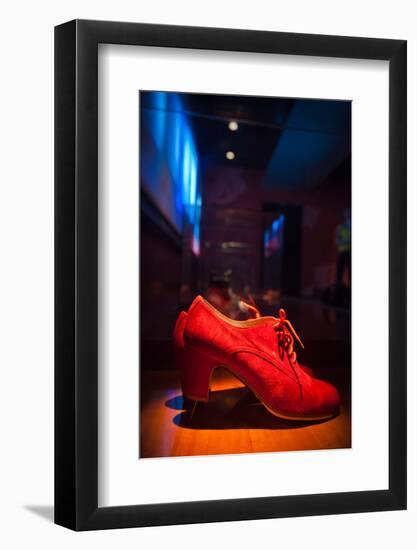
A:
(179, 340)
(259, 352)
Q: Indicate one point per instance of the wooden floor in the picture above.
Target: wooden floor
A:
(233, 421)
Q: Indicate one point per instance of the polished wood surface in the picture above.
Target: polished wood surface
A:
(233, 421)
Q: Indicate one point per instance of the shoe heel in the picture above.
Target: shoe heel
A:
(195, 371)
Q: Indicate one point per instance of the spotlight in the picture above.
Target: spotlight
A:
(230, 155)
(233, 125)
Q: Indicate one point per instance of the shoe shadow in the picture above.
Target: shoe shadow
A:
(235, 408)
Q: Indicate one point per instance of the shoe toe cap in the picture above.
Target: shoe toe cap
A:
(327, 399)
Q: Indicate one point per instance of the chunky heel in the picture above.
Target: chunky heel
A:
(195, 371)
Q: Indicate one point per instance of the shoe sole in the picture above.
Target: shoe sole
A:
(274, 413)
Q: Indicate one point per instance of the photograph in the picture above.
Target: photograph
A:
(208, 274)
(245, 274)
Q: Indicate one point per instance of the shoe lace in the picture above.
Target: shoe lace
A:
(284, 329)
(286, 334)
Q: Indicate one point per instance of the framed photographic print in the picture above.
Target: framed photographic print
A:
(230, 249)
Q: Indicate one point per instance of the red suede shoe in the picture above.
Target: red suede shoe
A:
(259, 352)
(179, 340)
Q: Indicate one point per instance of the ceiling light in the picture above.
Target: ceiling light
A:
(233, 125)
(230, 155)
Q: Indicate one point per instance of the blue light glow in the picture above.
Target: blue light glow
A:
(170, 172)
(273, 237)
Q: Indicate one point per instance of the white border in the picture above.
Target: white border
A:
(123, 479)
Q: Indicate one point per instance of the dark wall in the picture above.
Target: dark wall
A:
(322, 210)
(290, 259)
(234, 199)
(232, 224)
(160, 280)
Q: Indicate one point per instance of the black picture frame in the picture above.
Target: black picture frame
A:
(76, 271)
